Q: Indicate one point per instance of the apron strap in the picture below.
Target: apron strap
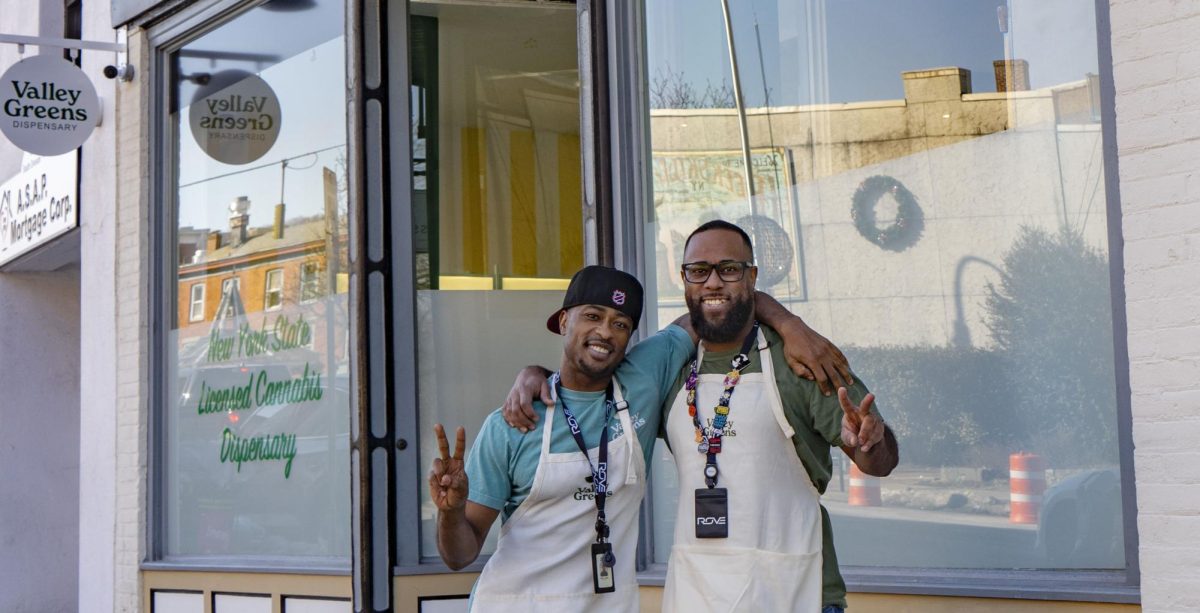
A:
(626, 427)
(548, 428)
(768, 368)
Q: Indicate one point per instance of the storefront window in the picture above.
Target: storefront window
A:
(255, 412)
(498, 226)
(926, 187)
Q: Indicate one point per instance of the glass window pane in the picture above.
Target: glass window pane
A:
(274, 290)
(197, 310)
(257, 398)
(311, 287)
(497, 201)
(925, 188)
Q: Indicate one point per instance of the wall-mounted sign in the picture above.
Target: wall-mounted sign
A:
(47, 105)
(38, 204)
(235, 117)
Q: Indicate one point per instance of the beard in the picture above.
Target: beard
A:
(593, 371)
(729, 327)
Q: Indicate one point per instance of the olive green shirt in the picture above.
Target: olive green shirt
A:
(817, 420)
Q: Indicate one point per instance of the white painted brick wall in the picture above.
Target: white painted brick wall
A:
(1156, 57)
(132, 331)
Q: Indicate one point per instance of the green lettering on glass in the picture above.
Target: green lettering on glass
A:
(264, 448)
(305, 388)
(224, 400)
(280, 335)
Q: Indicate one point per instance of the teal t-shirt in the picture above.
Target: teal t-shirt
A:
(503, 461)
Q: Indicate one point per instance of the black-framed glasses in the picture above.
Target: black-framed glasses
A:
(729, 271)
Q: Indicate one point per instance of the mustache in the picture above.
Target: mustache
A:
(598, 341)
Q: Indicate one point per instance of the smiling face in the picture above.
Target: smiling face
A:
(594, 342)
(720, 310)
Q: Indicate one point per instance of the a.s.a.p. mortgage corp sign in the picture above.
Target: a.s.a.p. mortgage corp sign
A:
(235, 117)
(38, 203)
(47, 105)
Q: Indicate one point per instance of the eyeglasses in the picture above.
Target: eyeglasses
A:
(729, 271)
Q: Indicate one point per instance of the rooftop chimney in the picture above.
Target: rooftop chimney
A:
(1011, 75)
(277, 230)
(214, 241)
(239, 220)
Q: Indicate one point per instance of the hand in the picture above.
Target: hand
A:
(448, 478)
(860, 427)
(813, 357)
(518, 410)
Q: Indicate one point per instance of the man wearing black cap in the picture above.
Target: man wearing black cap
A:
(776, 462)
(570, 487)
(568, 490)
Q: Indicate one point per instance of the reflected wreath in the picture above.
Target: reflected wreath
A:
(902, 233)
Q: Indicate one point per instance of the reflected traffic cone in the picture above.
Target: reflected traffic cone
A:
(864, 489)
(1026, 484)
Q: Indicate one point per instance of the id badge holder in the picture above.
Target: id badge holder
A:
(712, 513)
(602, 568)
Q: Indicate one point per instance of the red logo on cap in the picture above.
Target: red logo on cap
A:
(618, 297)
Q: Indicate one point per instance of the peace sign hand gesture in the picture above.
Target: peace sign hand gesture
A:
(448, 478)
(860, 427)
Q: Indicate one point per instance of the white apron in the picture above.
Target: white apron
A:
(771, 561)
(543, 558)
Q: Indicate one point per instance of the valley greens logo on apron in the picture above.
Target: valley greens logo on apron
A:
(235, 117)
(47, 105)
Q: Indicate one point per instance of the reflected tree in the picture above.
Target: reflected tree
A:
(1051, 319)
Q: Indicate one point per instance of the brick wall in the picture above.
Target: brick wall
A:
(1156, 60)
(133, 332)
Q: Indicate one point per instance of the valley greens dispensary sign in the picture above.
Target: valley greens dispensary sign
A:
(47, 105)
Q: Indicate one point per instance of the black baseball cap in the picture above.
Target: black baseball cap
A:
(602, 286)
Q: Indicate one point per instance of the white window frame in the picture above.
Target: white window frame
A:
(276, 273)
(196, 302)
(308, 279)
(236, 284)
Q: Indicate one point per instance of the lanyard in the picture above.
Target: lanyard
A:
(600, 468)
(710, 445)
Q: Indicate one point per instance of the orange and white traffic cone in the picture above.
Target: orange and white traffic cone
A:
(864, 489)
(1026, 483)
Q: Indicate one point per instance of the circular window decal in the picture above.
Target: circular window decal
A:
(235, 117)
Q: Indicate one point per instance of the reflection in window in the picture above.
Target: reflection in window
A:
(497, 199)
(310, 282)
(231, 298)
(256, 407)
(196, 311)
(926, 188)
(273, 300)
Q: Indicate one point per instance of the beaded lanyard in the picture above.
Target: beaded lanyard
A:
(709, 439)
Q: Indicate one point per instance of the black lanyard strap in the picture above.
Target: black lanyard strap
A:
(600, 468)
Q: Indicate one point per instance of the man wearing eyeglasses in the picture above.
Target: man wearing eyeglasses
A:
(751, 441)
(570, 492)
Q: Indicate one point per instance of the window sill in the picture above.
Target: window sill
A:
(1066, 585)
(302, 566)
